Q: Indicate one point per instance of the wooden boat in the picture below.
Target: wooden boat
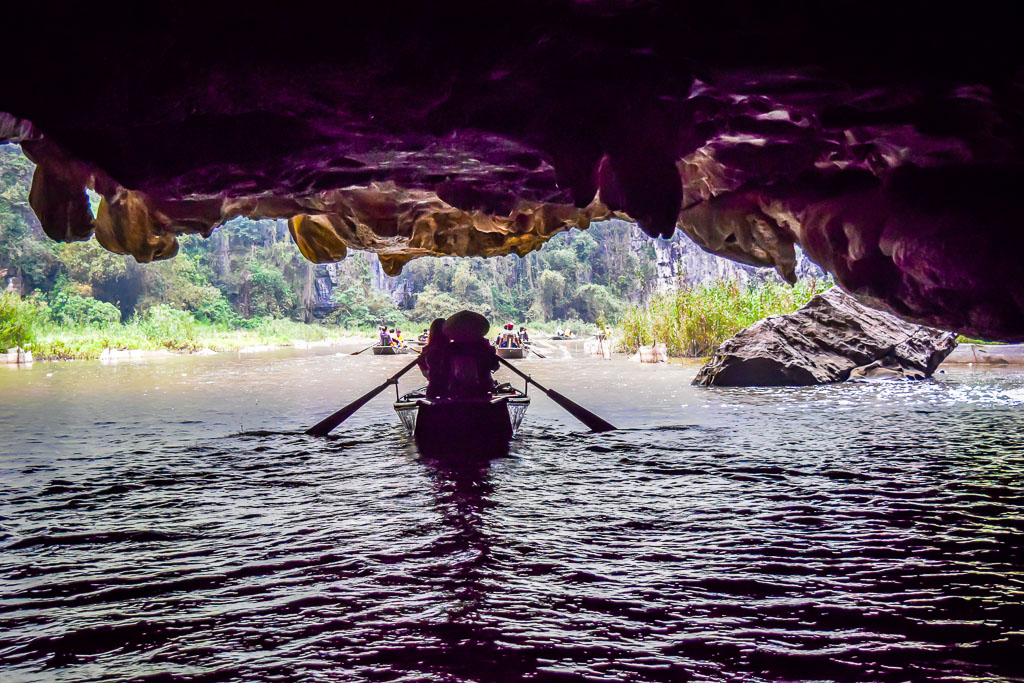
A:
(463, 426)
(389, 350)
(511, 352)
(561, 337)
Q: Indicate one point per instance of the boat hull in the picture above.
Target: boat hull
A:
(388, 351)
(519, 352)
(463, 429)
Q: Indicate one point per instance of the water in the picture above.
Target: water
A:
(167, 521)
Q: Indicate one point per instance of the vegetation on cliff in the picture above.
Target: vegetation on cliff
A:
(247, 284)
(250, 269)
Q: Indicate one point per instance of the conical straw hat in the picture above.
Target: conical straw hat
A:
(466, 326)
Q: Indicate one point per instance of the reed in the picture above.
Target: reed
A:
(693, 321)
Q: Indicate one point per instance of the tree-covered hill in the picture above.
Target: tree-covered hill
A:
(250, 269)
(248, 273)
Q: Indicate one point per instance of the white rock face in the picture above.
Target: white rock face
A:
(680, 263)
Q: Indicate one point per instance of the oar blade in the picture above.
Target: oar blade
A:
(327, 425)
(596, 423)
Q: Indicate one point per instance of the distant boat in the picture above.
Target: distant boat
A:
(463, 426)
(562, 337)
(389, 350)
(512, 352)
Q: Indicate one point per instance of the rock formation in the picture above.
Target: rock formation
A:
(831, 339)
(887, 142)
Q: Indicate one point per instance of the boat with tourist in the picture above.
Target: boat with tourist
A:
(390, 350)
(511, 352)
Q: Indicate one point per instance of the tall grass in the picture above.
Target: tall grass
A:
(693, 321)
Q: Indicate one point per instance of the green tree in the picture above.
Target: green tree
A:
(548, 296)
(265, 291)
(432, 303)
(24, 250)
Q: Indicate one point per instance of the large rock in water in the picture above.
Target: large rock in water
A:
(831, 339)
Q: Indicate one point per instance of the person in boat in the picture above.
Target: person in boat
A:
(507, 338)
(462, 368)
(558, 332)
(433, 359)
(524, 338)
(424, 336)
(385, 338)
(400, 342)
(391, 336)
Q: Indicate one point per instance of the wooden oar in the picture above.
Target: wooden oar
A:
(588, 418)
(530, 348)
(356, 353)
(324, 427)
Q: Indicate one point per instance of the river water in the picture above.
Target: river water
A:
(167, 521)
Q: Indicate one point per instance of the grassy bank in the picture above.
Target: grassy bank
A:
(29, 323)
(694, 321)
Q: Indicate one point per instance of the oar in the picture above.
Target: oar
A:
(356, 353)
(530, 348)
(595, 423)
(324, 427)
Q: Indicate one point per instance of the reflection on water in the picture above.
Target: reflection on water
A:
(168, 521)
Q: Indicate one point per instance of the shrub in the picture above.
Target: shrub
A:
(217, 311)
(19, 319)
(267, 291)
(169, 327)
(74, 310)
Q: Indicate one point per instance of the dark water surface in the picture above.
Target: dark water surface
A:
(167, 521)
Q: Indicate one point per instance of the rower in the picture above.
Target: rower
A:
(466, 364)
(433, 359)
(524, 338)
(385, 338)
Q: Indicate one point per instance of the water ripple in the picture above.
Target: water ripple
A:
(866, 532)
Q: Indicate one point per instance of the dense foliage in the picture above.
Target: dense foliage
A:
(693, 321)
(249, 270)
(248, 275)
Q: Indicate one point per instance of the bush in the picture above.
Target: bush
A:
(217, 311)
(169, 327)
(19, 319)
(82, 311)
(267, 291)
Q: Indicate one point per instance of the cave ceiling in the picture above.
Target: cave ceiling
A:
(884, 139)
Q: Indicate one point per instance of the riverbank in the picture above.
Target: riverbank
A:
(133, 341)
(986, 354)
